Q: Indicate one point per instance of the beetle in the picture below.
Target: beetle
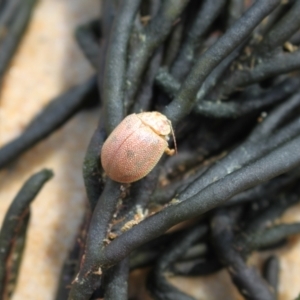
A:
(136, 145)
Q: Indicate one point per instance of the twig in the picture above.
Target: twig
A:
(117, 281)
(91, 168)
(115, 66)
(16, 30)
(88, 278)
(282, 63)
(240, 107)
(155, 33)
(235, 10)
(58, 111)
(108, 13)
(281, 31)
(206, 15)
(136, 203)
(247, 280)
(268, 237)
(157, 281)
(145, 93)
(15, 218)
(88, 38)
(271, 272)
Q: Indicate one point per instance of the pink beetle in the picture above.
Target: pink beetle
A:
(135, 146)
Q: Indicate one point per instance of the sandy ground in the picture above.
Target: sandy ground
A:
(47, 63)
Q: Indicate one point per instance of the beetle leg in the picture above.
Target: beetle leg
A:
(169, 151)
